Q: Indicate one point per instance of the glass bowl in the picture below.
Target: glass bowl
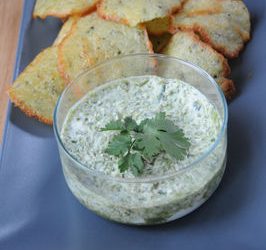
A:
(139, 201)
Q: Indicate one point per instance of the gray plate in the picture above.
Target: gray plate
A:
(37, 211)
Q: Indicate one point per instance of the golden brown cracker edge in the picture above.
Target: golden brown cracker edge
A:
(25, 109)
(60, 63)
(228, 88)
(64, 15)
(117, 19)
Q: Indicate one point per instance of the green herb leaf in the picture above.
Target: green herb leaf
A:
(148, 144)
(161, 123)
(139, 143)
(142, 124)
(119, 145)
(114, 125)
(160, 134)
(171, 145)
(123, 163)
(130, 124)
(136, 164)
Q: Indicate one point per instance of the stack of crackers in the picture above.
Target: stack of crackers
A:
(203, 32)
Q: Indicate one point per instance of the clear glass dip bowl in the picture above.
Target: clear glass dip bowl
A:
(125, 200)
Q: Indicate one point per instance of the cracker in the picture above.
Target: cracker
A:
(62, 9)
(227, 86)
(38, 87)
(223, 24)
(239, 16)
(138, 11)
(188, 47)
(234, 10)
(94, 40)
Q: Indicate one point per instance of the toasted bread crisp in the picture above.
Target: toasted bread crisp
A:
(65, 30)
(137, 11)
(228, 87)
(38, 87)
(234, 10)
(223, 24)
(188, 47)
(94, 40)
(63, 9)
(158, 26)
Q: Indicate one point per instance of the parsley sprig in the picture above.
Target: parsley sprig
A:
(137, 144)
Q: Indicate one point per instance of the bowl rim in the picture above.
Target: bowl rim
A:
(143, 179)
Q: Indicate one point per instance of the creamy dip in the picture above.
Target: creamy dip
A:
(168, 188)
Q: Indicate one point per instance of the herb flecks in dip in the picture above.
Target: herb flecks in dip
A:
(170, 188)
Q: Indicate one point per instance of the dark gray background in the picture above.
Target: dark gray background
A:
(37, 211)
